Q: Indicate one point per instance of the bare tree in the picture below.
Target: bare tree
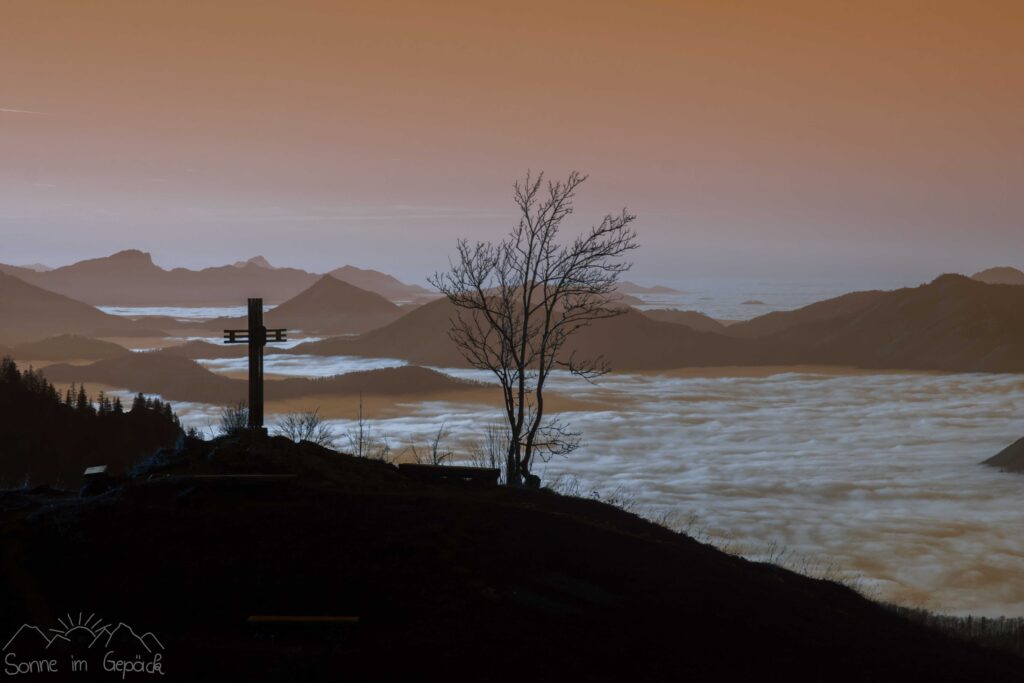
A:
(306, 426)
(364, 442)
(491, 450)
(233, 419)
(434, 452)
(520, 300)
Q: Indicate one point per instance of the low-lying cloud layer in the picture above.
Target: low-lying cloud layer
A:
(877, 475)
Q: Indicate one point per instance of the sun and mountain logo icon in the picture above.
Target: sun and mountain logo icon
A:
(80, 632)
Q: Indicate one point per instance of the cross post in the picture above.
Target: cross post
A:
(256, 336)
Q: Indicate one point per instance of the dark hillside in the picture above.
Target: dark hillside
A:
(458, 584)
(45, 440)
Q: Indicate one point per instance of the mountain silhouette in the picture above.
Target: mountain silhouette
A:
(329, 306)
(627, 287)
(257, 261)
(1010, 458)
(197, 349)
(67, 347)
(420, 336)
(31, 313)
(1004, 275)
(952, 324)
(695, 320)
(386, 285)
(631, 341)
(131, 278)
(181, 379)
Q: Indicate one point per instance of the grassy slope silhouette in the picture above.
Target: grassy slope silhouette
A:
(491, 584)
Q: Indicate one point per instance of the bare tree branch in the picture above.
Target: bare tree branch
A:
(520, 301)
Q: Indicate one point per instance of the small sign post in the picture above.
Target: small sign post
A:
(256, 337)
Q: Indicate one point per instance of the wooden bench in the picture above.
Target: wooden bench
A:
(481, 476)
(300, 619)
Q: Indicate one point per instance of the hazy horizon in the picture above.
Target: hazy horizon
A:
(800, 141)
(868, 278)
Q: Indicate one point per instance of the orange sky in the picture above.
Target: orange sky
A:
(769, 139)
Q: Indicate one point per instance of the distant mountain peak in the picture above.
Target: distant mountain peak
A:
(950, 279)
(629, 287)
(38, 267)
(1000, 275)
(330, 280)
(258, 261)
(132, 255)
(386, 285)
(331, 286)
(348, 268)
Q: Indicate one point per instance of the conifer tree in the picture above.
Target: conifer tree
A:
(82, 403)
(9, 371)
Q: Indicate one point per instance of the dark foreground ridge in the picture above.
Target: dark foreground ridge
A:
(461, 583)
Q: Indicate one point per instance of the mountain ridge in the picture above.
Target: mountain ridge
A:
(951, 324)
(31, 313)
(328, 306)
(1000, 275)
(130, 277)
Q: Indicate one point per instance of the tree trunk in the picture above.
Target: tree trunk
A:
(512, 473)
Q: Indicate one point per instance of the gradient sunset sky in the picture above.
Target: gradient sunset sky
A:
(781, 140)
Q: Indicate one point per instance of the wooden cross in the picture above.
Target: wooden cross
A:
(256, 337)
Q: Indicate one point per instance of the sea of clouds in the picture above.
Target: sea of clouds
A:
(182, 313)
(875, 477)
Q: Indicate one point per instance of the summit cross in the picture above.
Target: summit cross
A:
(256, 336)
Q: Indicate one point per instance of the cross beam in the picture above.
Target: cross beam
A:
(256, 336)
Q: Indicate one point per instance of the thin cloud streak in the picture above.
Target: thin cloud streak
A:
(21, 111)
